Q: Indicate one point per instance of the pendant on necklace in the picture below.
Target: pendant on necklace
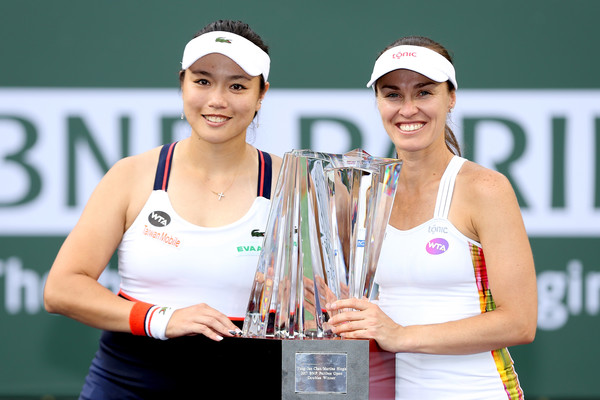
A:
(221, 195)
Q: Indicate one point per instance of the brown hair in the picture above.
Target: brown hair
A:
(422, 41)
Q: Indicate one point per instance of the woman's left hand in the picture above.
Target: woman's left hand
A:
(361, 319)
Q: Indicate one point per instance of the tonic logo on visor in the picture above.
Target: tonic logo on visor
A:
(404, 54)
(159, 218)
(222, 40)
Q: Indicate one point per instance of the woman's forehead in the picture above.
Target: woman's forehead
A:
(404, 77)
(218, 63)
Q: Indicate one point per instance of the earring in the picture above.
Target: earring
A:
(182, 116)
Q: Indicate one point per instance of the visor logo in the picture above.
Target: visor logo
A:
(401, 54)
(222, 40)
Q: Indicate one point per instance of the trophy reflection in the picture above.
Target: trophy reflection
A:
(322, 242)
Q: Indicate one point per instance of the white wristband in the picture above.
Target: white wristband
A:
(157, 320)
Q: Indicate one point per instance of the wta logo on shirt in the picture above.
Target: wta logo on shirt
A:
(159, 218)
(437, 246)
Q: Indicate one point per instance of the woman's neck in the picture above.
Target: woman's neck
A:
(421, 168)
(214, 159)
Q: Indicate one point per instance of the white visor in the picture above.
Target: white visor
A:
(415, 58)
(243, 52)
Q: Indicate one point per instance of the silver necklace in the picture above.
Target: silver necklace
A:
(221, 194)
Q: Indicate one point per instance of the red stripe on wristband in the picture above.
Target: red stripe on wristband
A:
(137, 317)
(149, 322)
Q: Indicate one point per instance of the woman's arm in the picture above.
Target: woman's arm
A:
(72, 287)
(498, 225)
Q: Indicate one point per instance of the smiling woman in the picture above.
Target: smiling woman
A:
(433, 61)
(456, 276)
(413, 108)
(220, 99)
(181, 212)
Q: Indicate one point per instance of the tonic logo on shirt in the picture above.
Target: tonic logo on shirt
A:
(437, 246)
(437, 229)
(159, 218)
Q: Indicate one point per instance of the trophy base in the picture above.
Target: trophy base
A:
(317, 369)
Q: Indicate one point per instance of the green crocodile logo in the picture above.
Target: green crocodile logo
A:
(222, 40)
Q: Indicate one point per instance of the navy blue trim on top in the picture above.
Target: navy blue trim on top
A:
(163, 169)
(265, 174)
(165, 161)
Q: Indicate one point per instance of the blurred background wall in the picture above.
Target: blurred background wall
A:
(85, 83)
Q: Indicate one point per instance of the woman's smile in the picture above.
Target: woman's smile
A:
(216, 119)
(410, 127)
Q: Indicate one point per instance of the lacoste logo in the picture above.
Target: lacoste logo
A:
(437, 246)
(222, 40)
(159, 218)
(257, 233)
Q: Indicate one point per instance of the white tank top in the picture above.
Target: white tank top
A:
(432, 274)
(168, 261)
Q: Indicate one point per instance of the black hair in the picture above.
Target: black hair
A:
(239, 28)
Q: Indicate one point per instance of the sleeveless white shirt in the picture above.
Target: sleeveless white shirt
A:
(181, 264)
(168, 261)
(432, 274)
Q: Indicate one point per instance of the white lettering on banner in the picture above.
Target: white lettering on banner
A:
(57, 143)
(561, 294)
(23, 288)
(564, 294)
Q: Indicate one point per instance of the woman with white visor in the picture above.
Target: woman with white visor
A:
(186, 220)
(456, 274)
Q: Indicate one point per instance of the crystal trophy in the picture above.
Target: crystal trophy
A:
(322, 242)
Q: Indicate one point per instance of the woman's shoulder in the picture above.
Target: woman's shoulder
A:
(135, 169)
(131, 174)
(481, 197)
(132, 180)
(272, 155)
(481, 178)
(137, 162)
(484, 187)
(276, 162)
